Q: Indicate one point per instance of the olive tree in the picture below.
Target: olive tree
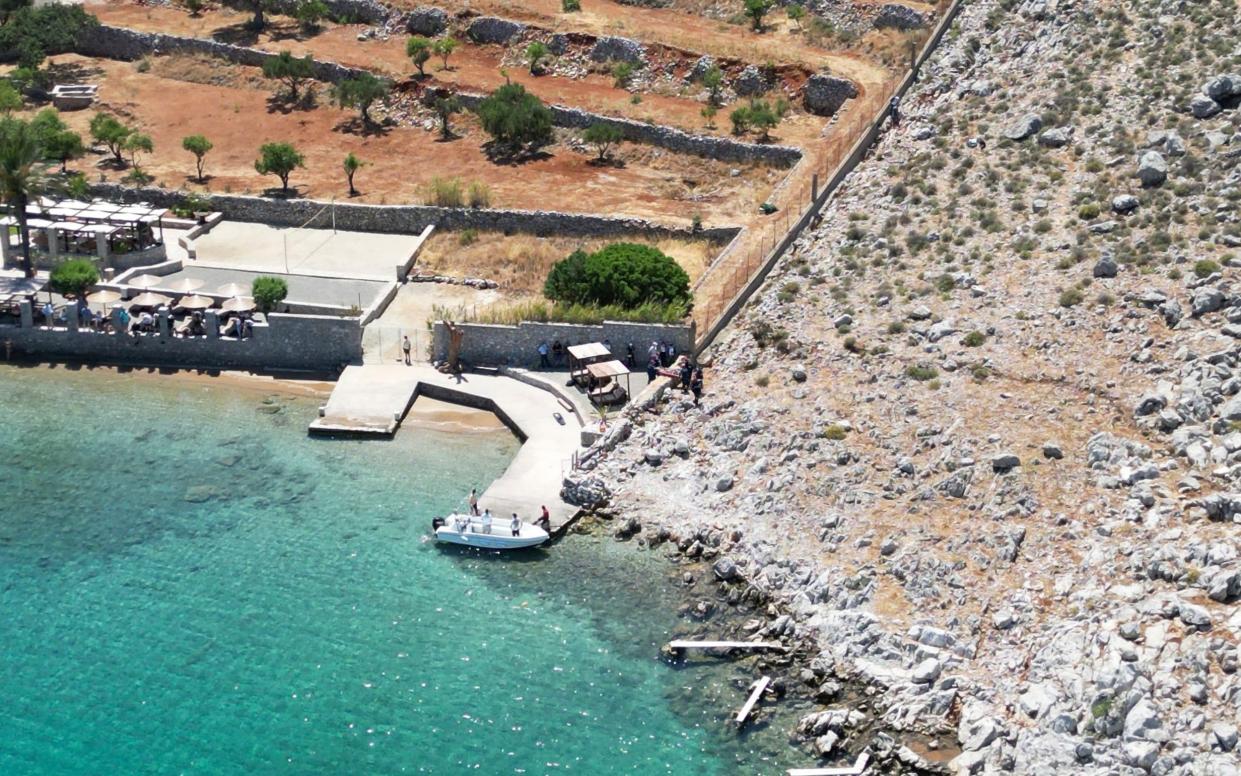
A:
(279, 159)
(360, 92)
(290, 70)
(197, 145)
(418, 49)
(604, 137)
(516, 119)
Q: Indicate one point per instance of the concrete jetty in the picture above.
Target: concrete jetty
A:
(373, 399)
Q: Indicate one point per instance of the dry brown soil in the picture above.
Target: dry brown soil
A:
(519, 263)
(181, 96)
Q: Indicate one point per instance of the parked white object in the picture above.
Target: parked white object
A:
(473, 531)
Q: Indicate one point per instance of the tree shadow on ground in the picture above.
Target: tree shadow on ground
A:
(239, 34)
(608, 161)
(73, 72)
(203, 181)
(275, 192)
(356, 126)
(497, 153)
(281, 102)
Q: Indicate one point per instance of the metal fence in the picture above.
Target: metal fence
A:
(383, 344)
(802, 194)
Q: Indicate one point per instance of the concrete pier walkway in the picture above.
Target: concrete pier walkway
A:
(373, 399)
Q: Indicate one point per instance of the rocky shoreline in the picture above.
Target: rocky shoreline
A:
(977, 437)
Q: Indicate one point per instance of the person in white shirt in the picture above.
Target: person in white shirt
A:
(516, 525)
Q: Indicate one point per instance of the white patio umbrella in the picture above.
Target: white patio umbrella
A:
(149, 299)
(144, 281)
(238, 304)
(104, 297)
(233, 289)
(196, 302)
(185, 285)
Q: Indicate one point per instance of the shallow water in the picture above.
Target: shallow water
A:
(190, 584)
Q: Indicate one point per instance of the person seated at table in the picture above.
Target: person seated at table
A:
(232, 328)
(247, 328)
(84, 315)
(197, 328)
(146, 322)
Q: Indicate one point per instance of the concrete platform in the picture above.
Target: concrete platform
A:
(372, 399)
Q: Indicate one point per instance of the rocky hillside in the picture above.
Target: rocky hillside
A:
(980, 431)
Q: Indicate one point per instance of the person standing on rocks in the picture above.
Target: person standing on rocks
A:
(894, 110)
(687, 374)
(695, 385)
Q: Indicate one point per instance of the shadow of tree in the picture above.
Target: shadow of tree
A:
(615, 163)
(356, 126)
(73, 72)
(275, 192)
(240, 34)
(280, 102)
(500, 153)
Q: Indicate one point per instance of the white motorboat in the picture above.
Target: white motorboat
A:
(475, 531)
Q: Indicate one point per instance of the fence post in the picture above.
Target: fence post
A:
(814, 188)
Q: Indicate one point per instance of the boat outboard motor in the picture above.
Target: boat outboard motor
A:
(438, 522)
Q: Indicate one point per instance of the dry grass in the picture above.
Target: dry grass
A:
(519, 263)
(207, 70)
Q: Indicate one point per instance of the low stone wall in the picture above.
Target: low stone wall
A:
(661, 136)
(284, 343)
(120, 43)
(492, 345)
(344, 11)
(413, 219)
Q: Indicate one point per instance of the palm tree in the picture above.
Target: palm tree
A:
(20, 176)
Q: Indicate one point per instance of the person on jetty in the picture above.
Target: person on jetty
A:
(486, 521)
(545, 521)
(515, 524)
(473, 501)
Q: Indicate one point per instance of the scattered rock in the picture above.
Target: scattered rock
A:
(1152, 169)
(614, 49)
(1024, 127)
(492, 29)
(1005, 462)
(426, 20)
(824, 94)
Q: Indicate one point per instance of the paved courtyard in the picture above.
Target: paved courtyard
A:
(267, 249)
(303, 289)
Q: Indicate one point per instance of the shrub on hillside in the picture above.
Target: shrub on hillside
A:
(516, 119)
(624, 274)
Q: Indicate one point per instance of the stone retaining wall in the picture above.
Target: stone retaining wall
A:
(661, 136)
(493, 345)
(344, 11)
(412, 219)
(285, 342)
(121, 43)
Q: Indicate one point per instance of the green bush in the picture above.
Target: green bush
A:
(585, 315)
(1070, 297)
(974, 339)
(624, 274)
(279, 159)
(570, 6)
(1088, 211)
(621, 73)
(74, 277)
(921, 372)
(1205, 268)
(268, 292)
(516, 119)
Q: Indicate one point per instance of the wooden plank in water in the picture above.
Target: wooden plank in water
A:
(686, 644)
(858, 766)
(759, 687)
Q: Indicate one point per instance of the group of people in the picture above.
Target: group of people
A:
(551, 355)
(240, 325)
(544, 521)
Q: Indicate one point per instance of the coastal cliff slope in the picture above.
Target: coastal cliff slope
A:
(979, 433)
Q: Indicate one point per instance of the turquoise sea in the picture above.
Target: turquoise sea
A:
(191, 584)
